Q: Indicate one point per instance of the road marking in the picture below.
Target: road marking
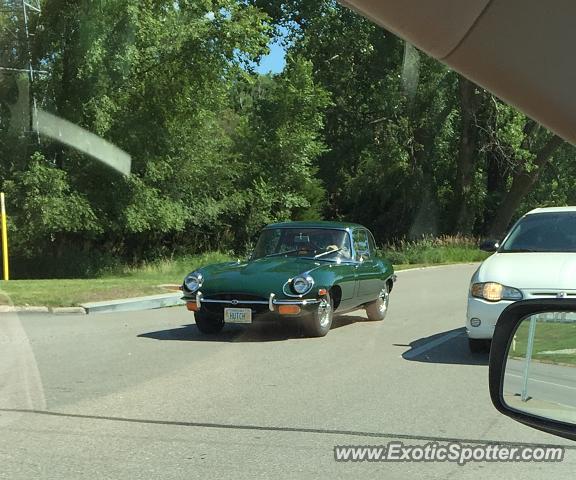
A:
(542, 381)
(430, 345)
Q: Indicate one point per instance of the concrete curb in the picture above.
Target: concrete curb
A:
(146, 303)
(68, 311)
(109, 306)
(54, 310)
(11, 309)
(136, 303)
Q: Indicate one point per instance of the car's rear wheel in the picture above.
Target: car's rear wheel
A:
(378, 309)
(319, 322)
(479, 345)
(208, 324)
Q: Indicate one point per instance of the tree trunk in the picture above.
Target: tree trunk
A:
(521, 185)
(466, 161)
(425, 221)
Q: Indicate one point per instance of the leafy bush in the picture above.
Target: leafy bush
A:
(434, 250)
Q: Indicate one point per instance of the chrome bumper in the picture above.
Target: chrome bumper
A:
(272, 302)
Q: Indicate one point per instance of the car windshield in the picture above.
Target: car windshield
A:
(317, 243)
(543, 232)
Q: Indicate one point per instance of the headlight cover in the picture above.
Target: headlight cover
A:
(494, 292)
(302, 284)
(193, 282)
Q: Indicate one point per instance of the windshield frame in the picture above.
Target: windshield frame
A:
(347, 230)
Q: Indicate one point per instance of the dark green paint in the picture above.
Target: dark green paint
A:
(359, 281)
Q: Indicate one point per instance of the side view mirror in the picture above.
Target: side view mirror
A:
(533, 365)
(489, 245)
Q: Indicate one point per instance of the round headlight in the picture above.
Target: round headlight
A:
(302, 284)
(193, 281)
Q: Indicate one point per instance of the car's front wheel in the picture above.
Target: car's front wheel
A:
(478, 345)
(208, 324)
(319, 322)
(378, 309)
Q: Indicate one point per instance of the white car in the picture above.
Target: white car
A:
(537, 259)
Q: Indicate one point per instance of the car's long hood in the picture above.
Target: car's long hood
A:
(530, 270)
(260, 277)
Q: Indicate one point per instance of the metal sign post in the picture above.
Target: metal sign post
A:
(4, 229)
(529, 348)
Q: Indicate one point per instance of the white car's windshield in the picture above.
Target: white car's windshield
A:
(543, 232)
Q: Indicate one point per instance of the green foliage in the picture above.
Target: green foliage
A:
(44, 206)
(434, 250)
(356, 127)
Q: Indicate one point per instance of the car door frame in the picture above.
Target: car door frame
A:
(368, 276)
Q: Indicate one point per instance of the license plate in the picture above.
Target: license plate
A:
(237, 315)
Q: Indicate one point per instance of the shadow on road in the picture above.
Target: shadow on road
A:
(269, 331)
(449, 347)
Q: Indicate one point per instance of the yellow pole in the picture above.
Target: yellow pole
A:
(4, 237)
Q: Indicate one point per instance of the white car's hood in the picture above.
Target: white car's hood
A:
(530, 270)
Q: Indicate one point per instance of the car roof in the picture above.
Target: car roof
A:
(552, 210)
(315, 224)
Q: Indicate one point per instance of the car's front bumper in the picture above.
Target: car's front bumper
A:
(488, 314)
(259, 307)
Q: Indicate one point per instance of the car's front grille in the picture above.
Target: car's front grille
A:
(257, 304)
(245, 297)
(543, 293)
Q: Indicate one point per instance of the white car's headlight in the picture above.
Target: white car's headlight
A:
(494, 292)
(302, 284)
(193, 281)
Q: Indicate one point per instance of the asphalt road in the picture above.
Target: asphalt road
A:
(144, 395)
(548, 382)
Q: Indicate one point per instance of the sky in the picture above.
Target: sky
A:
(273, 62)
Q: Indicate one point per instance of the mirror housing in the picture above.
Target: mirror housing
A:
(504, 332)
(490, 245)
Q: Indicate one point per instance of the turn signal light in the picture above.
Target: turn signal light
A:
(322, 292)
(191, 306)
(289, 309)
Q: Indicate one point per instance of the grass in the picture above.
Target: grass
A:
(146, 279)
(434, 251)
(549, 337)
(122, 283)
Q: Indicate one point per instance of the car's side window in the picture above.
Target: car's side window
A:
(361, 244)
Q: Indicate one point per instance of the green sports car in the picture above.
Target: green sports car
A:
(305, 271)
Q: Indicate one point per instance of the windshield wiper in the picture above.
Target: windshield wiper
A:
(280, 253)
(520, 250)
(327, 252)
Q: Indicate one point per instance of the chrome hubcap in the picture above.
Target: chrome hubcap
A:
(324, 310)
(383, 301)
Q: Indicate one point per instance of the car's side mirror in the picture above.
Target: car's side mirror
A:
(490, 245)
(533, 365)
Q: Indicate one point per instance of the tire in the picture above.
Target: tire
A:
(378, 309)
(319, 322)
(479, 345)
(208, 324)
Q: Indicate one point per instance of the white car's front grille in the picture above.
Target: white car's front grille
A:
(548, 293)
